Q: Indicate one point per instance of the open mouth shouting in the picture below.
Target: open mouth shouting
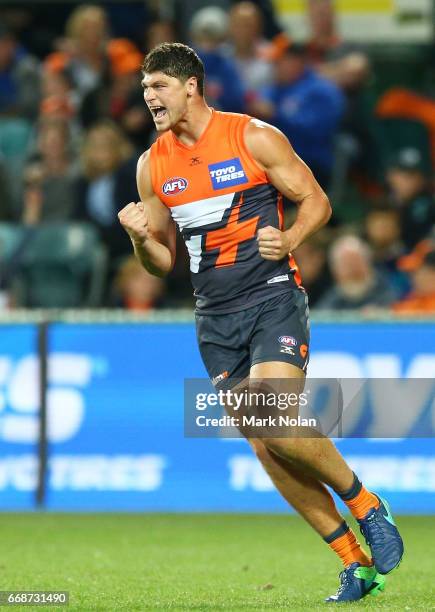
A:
(158, 111)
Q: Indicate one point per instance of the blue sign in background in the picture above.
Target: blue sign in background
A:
(16, 343)
(116, 419)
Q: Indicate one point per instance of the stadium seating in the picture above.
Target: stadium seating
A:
(58, 265)
(10, 237)
(14, 137)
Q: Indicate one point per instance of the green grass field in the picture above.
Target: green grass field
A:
(196, 562)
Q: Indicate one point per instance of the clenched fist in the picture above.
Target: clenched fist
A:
(134, 220)
(272, 243)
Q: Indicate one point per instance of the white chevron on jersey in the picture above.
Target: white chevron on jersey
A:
(198, 214)
(201, 212)
(194, 248)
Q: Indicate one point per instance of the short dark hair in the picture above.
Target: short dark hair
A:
(175, 60)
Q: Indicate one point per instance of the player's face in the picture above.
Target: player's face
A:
(166, 97)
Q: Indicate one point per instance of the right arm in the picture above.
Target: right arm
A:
(149, 225)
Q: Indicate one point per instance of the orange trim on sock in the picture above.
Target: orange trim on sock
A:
(362, 503)
(349, 550)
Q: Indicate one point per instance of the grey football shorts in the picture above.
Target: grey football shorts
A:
(274, 330)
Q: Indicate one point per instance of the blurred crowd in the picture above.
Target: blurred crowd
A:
(73, 123)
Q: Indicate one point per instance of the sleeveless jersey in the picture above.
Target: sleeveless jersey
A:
(220, 197)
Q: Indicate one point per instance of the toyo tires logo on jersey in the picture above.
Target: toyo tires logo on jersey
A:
(228, 173)
(176, 185)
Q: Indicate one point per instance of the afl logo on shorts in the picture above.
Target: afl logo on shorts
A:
(287, 340)
(175, 185)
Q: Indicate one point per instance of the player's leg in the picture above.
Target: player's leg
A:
(225, 351)
(279, 355)
(318, 457)
(304, 491)
(279, 350)
(312, 500)
(308, 496)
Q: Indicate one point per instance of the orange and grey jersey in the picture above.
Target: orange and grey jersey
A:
(220, 197)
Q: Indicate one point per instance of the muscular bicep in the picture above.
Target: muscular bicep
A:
(161, 224)
(284, 168)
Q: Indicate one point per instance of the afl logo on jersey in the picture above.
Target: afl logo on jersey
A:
(176, 185)
(287, 340)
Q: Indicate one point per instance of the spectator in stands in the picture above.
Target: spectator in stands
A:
(313, 265)
(19, 78)
(306, 107)
(223, 89)
(346, 64)
(422, 297)
(33, 178)
(181, 13)
(107, 184)
(137, 289)
(401, 104)
(126, 101)
(410, 191)
(57, 92)
(112, 99)
(84, 49)
(248, 49)
(272, 29)
(383, 234)
(50, 193)
(358, 284)
(93, 60)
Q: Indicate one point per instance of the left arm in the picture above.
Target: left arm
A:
(292, 177)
